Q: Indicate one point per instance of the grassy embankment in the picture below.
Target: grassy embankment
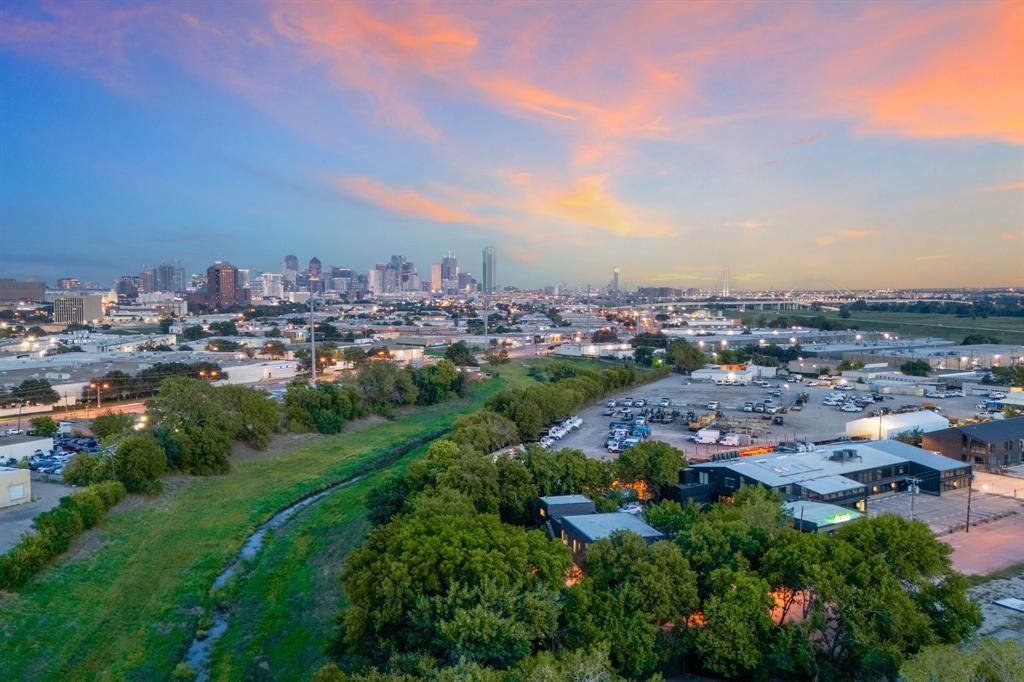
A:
(125, 601)
(283, 615)
(1006, 329)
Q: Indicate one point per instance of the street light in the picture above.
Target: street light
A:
(99, 397)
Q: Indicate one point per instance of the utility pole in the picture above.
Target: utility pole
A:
(913, 485)
(970, 487)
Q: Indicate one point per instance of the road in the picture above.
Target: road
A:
(135, 407)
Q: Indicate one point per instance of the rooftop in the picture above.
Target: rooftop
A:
(996, 431)
(565, 499)
(598, 526)
(820, 513)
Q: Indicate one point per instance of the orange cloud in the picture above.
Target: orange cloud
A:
(844, 235)
(588, 202)
(1009, 236)
(404, 201)
(1003, 187)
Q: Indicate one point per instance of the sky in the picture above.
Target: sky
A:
(803, 145)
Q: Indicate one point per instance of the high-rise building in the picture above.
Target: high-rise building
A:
(69, 283)
(127, 286)
(449, 267)
(613, 286)
(290, 270)
(221, 285)
(170, 277)
(315, 274)
(490, 269)
(435, 277)
(271, 285)
(376, 279)
(147, 280)
(242, 278)
(77, 309)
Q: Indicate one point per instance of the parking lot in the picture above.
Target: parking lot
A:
(946, 512)
(814, 421)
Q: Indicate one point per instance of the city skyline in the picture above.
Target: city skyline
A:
(669, 139)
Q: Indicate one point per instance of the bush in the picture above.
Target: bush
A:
(55, 529)
(111, 424)
(139, 462)
(44, 426)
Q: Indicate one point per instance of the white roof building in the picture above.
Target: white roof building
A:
(891, 425)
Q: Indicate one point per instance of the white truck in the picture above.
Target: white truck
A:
(707, 436)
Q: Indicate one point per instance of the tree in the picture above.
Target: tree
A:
(111, 424)
(485, 431)
(976, 339)
(655, 463)
(460, 354)
(912, 437)
(384, 385)
(199, 423)
(164, 324)
(604, 336)
(193, 333)
(139, 462)
(737, 626)
(224, 328)
(436, 382)
(274, 349)
(444, 581)
(847, 365)
(643, 356)
(353, 354)
(917, 368)
(670, 517)
(38, 391)
(685, 357)
(985, 660)
(44, 426)
(496, 356)
(1011, 376)
(84, 469)
(257, 415)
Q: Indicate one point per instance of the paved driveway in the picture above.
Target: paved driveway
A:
(15, 521)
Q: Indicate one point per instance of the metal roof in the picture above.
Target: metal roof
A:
(597, 526)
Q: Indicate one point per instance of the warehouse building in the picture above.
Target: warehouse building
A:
(23, 447)
(891, 425)
(846, 475)
(990, 444)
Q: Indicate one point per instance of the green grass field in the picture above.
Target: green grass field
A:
(1006, 329)
(125, 602)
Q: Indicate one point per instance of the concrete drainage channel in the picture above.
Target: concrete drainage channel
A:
(201, 650)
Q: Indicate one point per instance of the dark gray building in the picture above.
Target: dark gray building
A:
(990, 444)
(846, 475)
(579, 531)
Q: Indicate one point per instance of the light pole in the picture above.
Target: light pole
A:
(99, 397)
(312, 343)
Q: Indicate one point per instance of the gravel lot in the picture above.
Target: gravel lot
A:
(814, 421)
(1000, 622)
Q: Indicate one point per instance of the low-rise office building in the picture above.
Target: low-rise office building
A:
(846, 475)
(990, 444)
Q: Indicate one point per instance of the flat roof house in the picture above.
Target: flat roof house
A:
(845, 475)
(990, 444)
(579, 531)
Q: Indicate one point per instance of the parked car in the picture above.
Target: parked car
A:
(712, 405)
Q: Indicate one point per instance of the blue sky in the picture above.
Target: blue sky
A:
(803, 145)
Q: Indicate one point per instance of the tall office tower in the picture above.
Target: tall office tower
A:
(127, 287)
(69, 283)
(614, 286)
(221, 289)
(435, 277)
(466, 282)
(449, 267)
(290, 270)
(490, 271)
(147, 280)
(725, 281)
(314, 272)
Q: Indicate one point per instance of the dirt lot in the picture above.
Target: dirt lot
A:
(814, 421)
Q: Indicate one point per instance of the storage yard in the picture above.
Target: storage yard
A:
(813, 421)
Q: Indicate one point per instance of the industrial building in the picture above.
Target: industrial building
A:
(992, 444)
(846, 474)
(15, 486)
(23, 447)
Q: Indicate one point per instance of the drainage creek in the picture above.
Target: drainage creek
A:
(201, 650)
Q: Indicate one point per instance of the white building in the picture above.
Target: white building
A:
(891, 425)
(23, 447)
(15, 487)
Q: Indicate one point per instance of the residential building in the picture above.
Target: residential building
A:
(553, 507)
(991, 444)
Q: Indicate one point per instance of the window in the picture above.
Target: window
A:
(16, 492)
(703, 478)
